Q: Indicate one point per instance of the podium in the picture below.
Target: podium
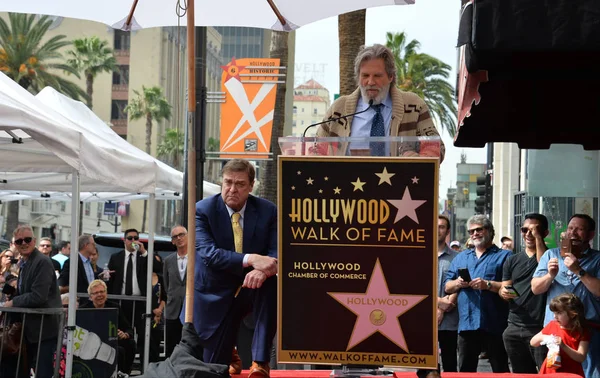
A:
(358, 252)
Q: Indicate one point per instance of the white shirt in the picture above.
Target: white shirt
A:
(182, 265)
(241, 221)
(135, 286)
(361, 123)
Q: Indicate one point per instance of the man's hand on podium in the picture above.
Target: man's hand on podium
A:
(254, 279)
(266, 264)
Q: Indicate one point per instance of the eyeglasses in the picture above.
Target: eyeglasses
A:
(27, 240)
(476, 230)
(45, 245)
(524, 230)
(98, 292)
(178, 236)
(133, 238)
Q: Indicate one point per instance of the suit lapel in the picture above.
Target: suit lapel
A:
(250, 217)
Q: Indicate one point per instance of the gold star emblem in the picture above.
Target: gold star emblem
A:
(320, 191)
(337, 190)
(309, 181)
(358, 185)
(326, 178)
(385, 176)
(293, 188)
(299, 173)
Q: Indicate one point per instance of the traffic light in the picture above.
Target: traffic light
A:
(483, 202)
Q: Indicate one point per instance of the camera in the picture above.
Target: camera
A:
(14, 261)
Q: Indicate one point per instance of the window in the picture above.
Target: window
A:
(87, 208)
(122, 40)
(121, 76)
(302, 123)
(295, 109)
(63, 207)
(302, 110)
(118, 109)
(294, 123)
(315, 111)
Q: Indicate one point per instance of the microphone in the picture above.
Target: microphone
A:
(336, 119)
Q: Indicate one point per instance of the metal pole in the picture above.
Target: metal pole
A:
(200, 110)
(75, 205)
(191, 184)
(152, 218)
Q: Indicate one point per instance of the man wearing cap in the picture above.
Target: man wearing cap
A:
(507, 243)
(455, 245)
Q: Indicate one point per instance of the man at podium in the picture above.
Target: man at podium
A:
(380, 109)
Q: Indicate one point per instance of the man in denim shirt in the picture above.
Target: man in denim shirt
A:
(482, 314)
(581, 276)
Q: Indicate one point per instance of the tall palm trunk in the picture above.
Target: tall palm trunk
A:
(351, 33)
(148, 148)
(89, 88)
(268, 176)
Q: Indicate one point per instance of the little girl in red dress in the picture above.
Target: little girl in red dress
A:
(568, 329)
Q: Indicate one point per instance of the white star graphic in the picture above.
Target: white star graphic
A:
(309, 181)
(415, 180)
(384, 177)
(337, 190)
(406, 207)
(358, 185)
(299, 173)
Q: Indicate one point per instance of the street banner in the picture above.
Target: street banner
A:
(358, 261)
(96, 343)
(250, 86)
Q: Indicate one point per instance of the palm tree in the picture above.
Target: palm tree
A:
(268, 175)
(92, 56)
(151, 105)
(427, 77)
(29, 61)
(351, 34)
(171, 147)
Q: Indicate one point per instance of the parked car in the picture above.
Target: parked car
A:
(110, 243)
(4, 244)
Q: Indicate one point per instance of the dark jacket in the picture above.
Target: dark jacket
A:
(38, 289)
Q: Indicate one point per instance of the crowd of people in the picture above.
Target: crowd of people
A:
(519, 306)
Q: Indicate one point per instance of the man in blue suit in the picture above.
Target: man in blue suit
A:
(236, 267)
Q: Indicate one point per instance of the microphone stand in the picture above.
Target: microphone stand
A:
(331, 120)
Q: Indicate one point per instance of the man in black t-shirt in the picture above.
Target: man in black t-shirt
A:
(526, 316)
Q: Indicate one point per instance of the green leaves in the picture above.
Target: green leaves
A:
(427, 77)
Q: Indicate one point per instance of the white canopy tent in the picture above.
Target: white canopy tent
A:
(154, 13)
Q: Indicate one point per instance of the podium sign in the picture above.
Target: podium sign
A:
(358, 261)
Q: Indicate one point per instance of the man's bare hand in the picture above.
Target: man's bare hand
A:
(445, 304)
(254, 279)
(478, 284)
(122, 335)
(266, 264)
(440, 316)
(505, 294)
(572, 263)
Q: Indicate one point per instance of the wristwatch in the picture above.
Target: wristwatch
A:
(581, 273)
(489, 284)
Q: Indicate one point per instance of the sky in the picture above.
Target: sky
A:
(434, 23)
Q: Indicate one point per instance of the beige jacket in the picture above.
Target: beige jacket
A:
(410, 117)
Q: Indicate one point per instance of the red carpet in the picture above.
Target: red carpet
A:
(325, 374)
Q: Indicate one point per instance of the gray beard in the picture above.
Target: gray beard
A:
(379, 98)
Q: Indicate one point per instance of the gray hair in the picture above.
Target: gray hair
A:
(83, 241)
(21, 228)
(482, 221)
(376, 51)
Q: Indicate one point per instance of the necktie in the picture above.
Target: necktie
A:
(129, 276)
(377, 130)
(238, 233)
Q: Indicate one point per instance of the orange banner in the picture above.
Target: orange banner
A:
(250, 86)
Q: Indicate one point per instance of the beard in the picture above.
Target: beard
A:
(381, 95)
(484, 240)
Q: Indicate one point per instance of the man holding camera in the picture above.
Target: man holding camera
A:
(481, 313)
(574, 268)
(526, 310)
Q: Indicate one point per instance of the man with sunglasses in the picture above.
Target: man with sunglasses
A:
(45, 247)
(526, 310)
(37, 288)
(129, 270)
(559, 273)
(174, 275)
(482, 314)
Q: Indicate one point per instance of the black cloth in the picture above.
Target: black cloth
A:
(38, 289)
(472, 343)
(524, 359)
(129, 277)
(528, 309)
(173, 335)
(186, 360)
(56, 265)
(82, 281)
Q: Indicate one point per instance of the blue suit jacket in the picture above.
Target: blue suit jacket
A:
(219, 270)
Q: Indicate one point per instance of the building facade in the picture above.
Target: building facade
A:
(311, 101)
